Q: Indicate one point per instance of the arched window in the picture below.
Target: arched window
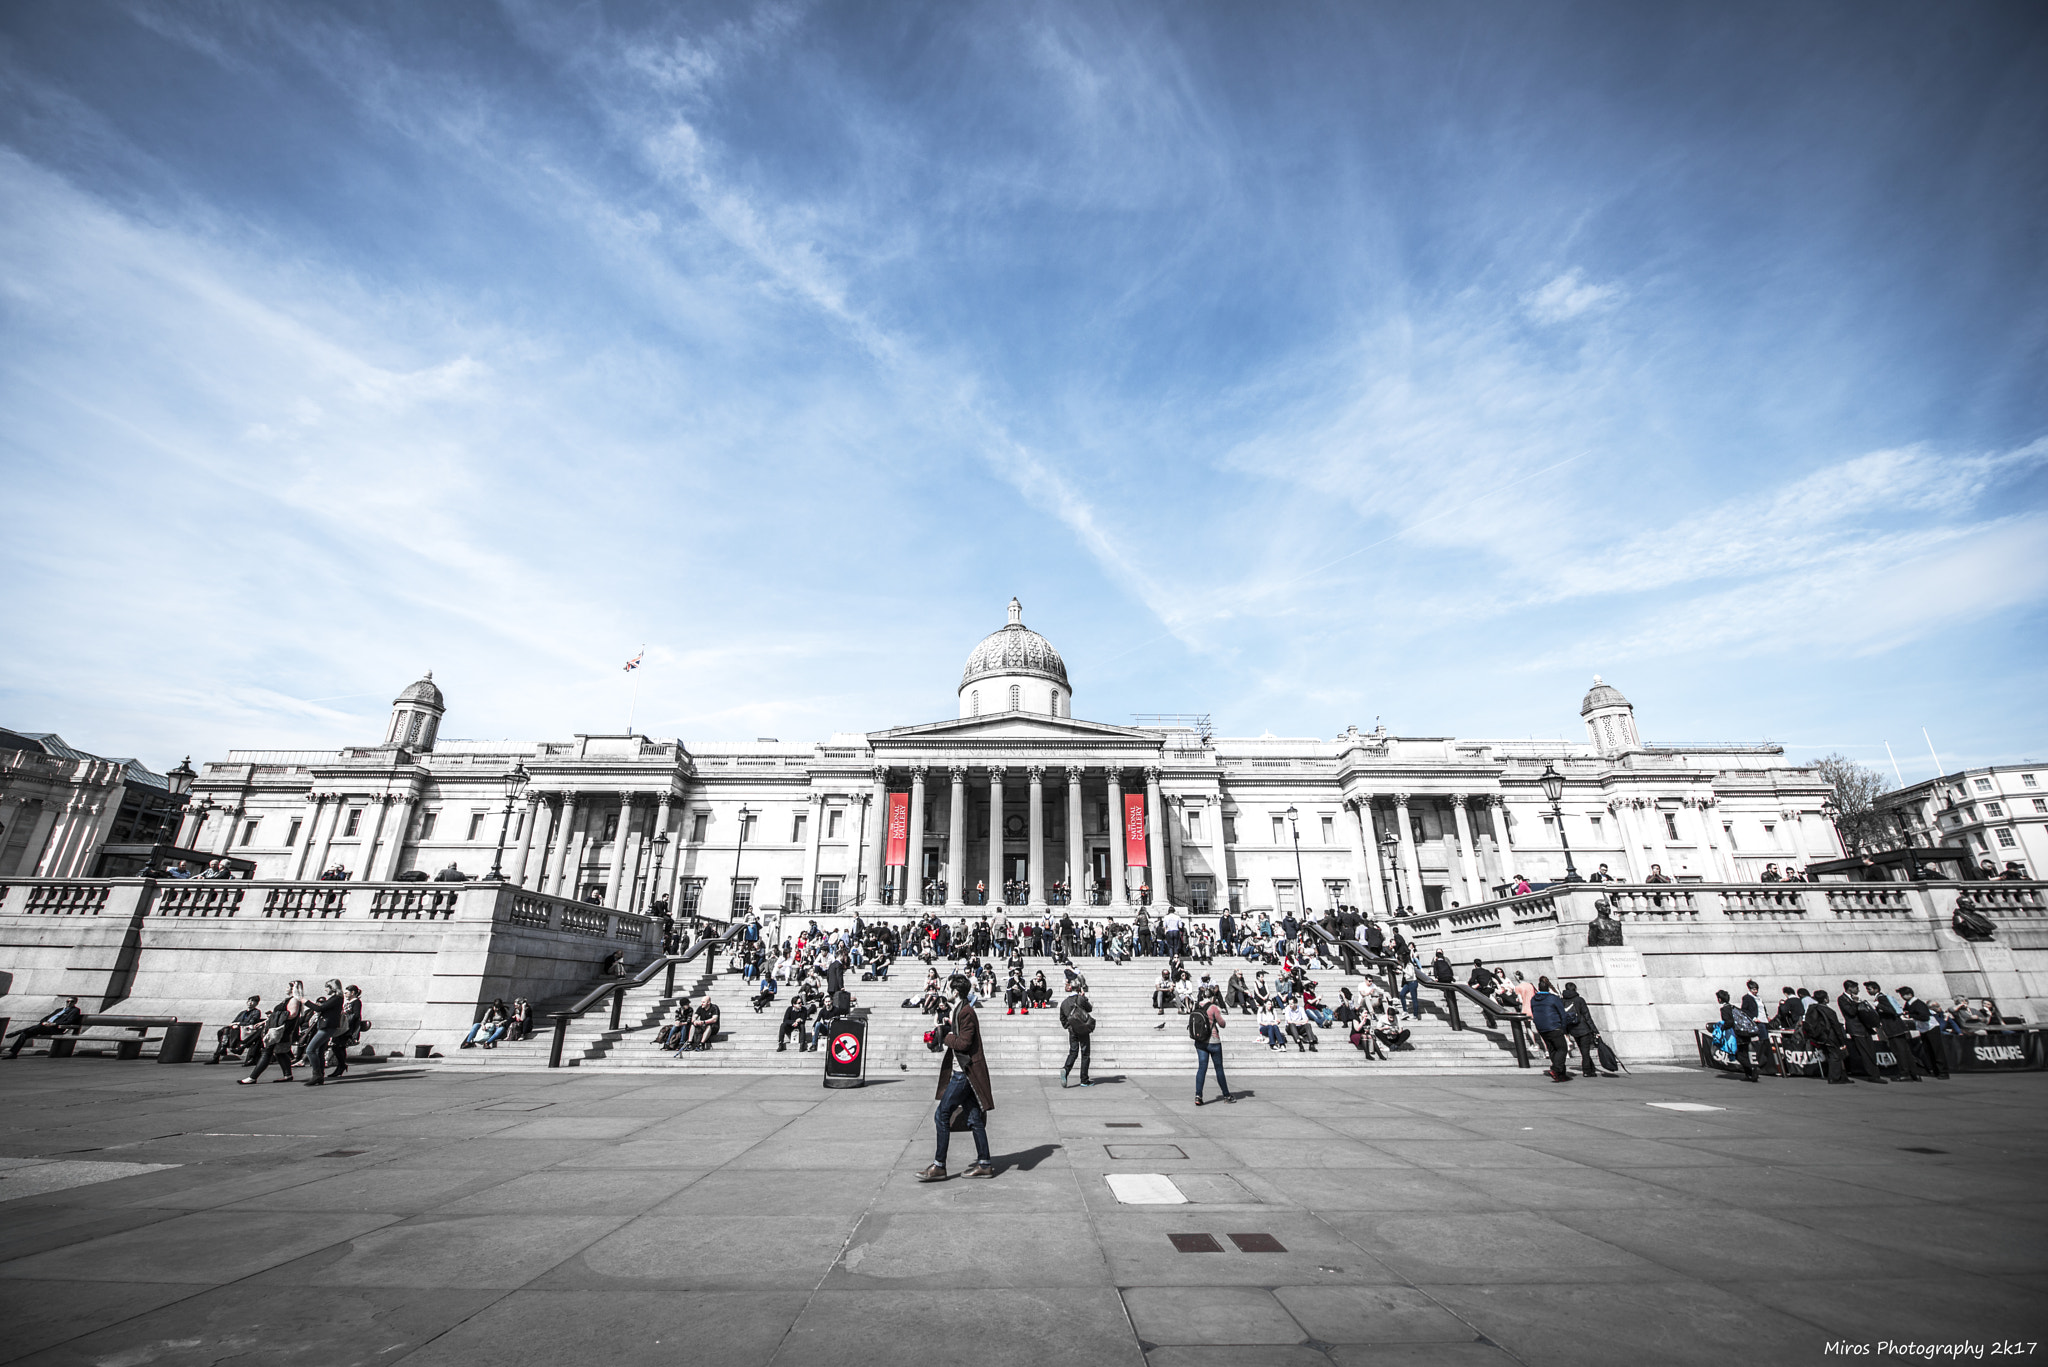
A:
(1055, 702)
(974, 702)
(1016, 697)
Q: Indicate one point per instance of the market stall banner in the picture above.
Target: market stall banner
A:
(1134, 831)
(899, 829)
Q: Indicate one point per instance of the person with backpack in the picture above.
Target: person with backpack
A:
(1742, 1027)
(1078, 1019)
(1205, 1028)
(1583, 1032)
(1823, 1030)
(1547, 1010)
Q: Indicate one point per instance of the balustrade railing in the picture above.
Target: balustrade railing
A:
(318, 901)
(1769, 900)
(65, 899)
(1867, 899)
(197, 899)
(414, 902)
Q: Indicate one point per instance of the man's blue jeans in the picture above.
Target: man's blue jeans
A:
(959, 1092)
(1204, 1055)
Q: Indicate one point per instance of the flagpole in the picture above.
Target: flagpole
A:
(634, 710)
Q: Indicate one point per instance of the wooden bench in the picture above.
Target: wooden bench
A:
(129, 1047)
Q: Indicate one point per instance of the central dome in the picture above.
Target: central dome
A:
(1015, 670)
(1016, 649)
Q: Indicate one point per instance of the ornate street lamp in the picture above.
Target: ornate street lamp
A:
(739, 846)
(179, 783)
(1300, 883)
(660, 848)
(1391, 844)
(1553, 788)
(515, 781)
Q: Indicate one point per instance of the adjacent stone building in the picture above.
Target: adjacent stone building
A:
(1014, 788)
(61, 807)
(1999, 813)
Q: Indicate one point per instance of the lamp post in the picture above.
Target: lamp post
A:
(1300, 883)
(1553, 788)
(515, 782)
(1391, 843)
(179, 782)
(738, 847)
(654, 885)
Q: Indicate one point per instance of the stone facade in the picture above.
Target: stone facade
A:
(60, 806)
(2000, 813)
(1377, 820)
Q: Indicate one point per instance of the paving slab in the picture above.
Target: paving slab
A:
(721, 1218)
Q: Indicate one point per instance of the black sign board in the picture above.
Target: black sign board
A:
(846, 1051)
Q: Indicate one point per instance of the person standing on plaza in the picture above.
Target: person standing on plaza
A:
(1894, 1029)
(1742, 1032)
(1205, 1028)
(280, 1030)
(1859, 1023)
(1077, 1015)
(1548, 1012)
(325, 1013)
(1823, 1030)
(963, 1083)
(1752, 1004)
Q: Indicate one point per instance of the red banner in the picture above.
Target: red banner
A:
(1135, 855)
(899, 830)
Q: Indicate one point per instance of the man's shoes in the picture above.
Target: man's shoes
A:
(1063, 1080)
(934, 1173)
(314, 1082)
(978, 1169)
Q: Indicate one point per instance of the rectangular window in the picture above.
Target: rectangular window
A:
(1770, 835)
(291, 836)
(1329, 830)
(1194, 823)
(828, 895)
(1240, 889)
(519, 824)
(476, 825)
(1279, 830)
(1978, 836)
(1599, 832)
(1550, 830)
(2005, 840)
(1285, 896)
(693, 895)
(799, 828)
(1728, 829)
(1671, 825)
(2041, 804)
(355, 822)
(743, 897)
(698, 822)
(792, 894)
(611, 827)
(2028, 779)
(832, 820)
(1199, 895)
(427, 823)
(249, 831)
(1336, 892)
(1993, 809)
(753, 819)
(1983, 785)
(1229, 830)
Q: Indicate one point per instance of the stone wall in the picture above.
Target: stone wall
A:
(426, 955)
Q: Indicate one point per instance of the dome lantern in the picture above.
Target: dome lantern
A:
(1610, 719)
(416, 715)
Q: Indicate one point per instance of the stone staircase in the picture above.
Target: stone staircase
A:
(1129, 1036)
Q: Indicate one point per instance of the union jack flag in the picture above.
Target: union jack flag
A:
(634, 663)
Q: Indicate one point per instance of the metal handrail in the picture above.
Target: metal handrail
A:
(1518, 1021)
(618, 988)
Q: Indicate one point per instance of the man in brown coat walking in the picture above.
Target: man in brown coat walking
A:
(963, 1082)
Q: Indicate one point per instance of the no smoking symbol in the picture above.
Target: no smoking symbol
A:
(845, 1048)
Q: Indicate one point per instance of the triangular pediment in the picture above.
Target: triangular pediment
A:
(1009, 728)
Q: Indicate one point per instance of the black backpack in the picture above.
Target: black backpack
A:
(1198, 1026)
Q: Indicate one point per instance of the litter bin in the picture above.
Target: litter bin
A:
(181, 1038)
(846, 1051)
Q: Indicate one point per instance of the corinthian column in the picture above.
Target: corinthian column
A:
(1076, 848)
(1119, 881)
(913, 844)
(1411, 877)
(1160, 875)
(956, 838)
(1468, 858)
(878, 834)
(1037, 828)
(996, 863)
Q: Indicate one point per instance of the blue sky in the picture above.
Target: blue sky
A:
(1306, 366)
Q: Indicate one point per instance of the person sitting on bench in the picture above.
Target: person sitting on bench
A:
(242, 1035)
(66, 1019)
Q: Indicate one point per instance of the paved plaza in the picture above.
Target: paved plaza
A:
(153, 1215)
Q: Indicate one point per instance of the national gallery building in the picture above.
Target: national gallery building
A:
(1015, 792)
